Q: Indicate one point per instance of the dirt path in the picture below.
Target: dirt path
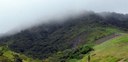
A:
(107, 38)
(122, 60)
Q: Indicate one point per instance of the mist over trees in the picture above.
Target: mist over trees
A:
(44, 40)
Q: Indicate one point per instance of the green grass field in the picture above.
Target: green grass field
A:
(113, 50)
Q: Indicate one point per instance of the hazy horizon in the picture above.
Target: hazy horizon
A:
(24, 13)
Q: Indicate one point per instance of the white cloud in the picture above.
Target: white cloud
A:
(15, 13)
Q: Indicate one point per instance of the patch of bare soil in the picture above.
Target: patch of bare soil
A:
(107, 38)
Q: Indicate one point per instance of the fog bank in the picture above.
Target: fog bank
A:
(20, 14)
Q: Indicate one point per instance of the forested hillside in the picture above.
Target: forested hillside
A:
(71, 39)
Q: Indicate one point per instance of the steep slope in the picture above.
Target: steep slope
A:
(113, 50)
(47, 39)
(74, 55)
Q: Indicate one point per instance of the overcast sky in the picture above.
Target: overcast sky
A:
(22, 13)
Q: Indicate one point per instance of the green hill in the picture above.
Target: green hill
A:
(67, 41)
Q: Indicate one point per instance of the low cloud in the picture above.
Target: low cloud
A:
(21, 14)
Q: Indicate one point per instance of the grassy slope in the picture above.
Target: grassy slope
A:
(101, 32)
(9, 56)
(113, 50)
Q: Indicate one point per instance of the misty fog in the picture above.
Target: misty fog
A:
(16, 15)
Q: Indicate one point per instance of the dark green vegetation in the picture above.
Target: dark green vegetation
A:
(69, 40)
(7, 55)
(77, 53)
